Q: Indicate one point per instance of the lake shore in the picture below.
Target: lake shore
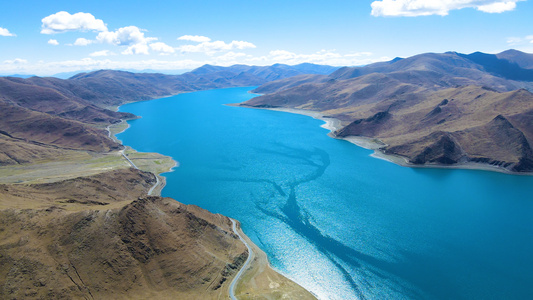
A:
(262, 281)
(333, 124)
(152, 162)
(259, 279)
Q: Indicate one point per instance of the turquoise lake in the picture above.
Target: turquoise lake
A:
(342, 224)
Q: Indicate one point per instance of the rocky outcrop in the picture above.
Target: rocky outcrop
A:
(437, 148)
(497, 143)
(370, 126)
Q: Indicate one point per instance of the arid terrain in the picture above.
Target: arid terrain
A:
(432, 109)
(76, 217)
(76, 220)
(101, 237)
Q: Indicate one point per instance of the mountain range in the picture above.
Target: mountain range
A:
(43, 116)
(102, 236)
(434, 108)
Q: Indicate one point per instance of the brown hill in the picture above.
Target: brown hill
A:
(62, 113)
(101, 236)
(98, 238)
(41, 123)
(429, 70)
(286, 83)
(47, 99)
(467, 124)
(431, 108)
(15, 151)
(44, 129)
(113, 88)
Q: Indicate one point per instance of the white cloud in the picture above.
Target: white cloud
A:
(323, 57)
(211, 48)
(53, 42)
(359, 54)
(63, 22)
(125, 36)
(413, 8)
(49, 68)
(194, 38)
(136, 49)
(229, 57)
(329, 57)
(162, 48)
(82, 42)
(16, 61)
(101, 53)
(130, 36)
(5, 32)
(513, 41)
(497, 7)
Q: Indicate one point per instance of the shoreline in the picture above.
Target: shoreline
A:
(261, 280)
(265, 280)
(333, 124)
(122, 126)
(251, 254)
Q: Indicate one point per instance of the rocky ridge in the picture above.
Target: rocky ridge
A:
(433, 109)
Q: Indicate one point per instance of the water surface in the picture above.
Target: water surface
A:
(341, 223)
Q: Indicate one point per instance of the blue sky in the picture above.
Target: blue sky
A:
(48, 37)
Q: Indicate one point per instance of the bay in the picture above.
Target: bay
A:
(342, 224)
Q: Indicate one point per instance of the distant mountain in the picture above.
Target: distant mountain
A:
(274, 72)
(67, 75)
(418, 105)
(41, 117)
(257, 75)
(524, 60)
(18, 75)
(42, 95)
(109, 87)
(501, 67)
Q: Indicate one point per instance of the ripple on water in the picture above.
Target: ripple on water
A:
(339, 222)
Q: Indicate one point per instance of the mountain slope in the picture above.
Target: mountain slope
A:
(430, 108)
(524, 60)
(51, 112)
(44, 129)
(430, 70)
(47, 98)
(99, 237)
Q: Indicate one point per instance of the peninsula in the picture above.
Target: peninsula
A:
(448, 109)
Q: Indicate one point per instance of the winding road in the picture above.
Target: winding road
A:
(131, 163)
(246, 263)
(155, 185)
